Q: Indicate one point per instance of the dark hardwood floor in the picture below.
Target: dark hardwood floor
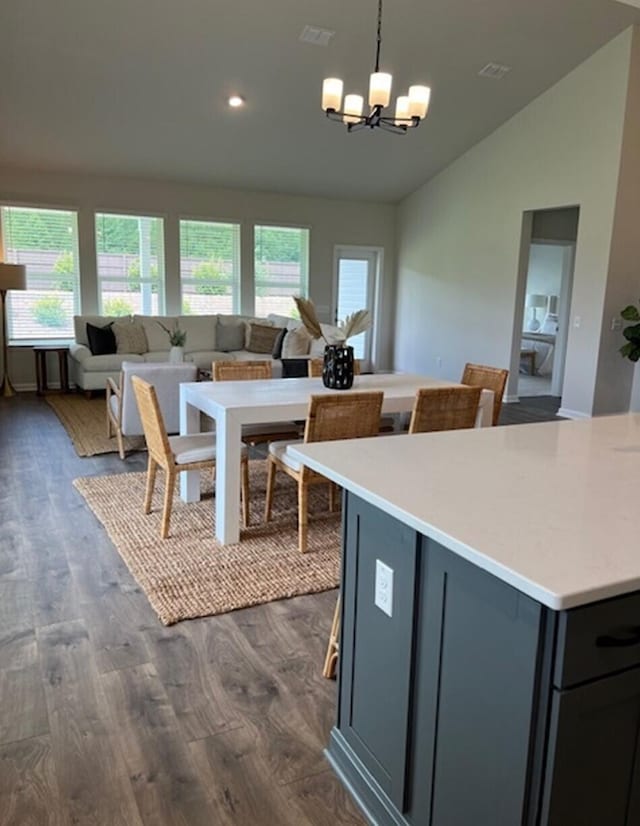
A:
(106, 716)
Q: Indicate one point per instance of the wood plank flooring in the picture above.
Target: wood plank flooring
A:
(107, 717)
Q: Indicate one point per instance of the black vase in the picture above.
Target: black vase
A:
(337, 372)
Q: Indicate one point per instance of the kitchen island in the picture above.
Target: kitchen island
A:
(489, 669)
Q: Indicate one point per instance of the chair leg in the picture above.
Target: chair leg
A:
(332, 496)
(331, 658)
(303, 497)
(120, 444)
(170, 483)
(268, 499)
(245, 493)
(152, 467)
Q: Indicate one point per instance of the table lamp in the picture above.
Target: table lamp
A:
(535, 301)
(12, 277)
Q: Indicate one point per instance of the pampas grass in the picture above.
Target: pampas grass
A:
(352, 325)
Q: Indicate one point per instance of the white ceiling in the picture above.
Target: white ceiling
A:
(139, 87)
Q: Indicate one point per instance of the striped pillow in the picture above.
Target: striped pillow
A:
(262, 337)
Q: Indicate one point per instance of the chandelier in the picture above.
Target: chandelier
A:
(411, 109)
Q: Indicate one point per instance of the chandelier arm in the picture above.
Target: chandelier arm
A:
(405, 123)
(389, 126)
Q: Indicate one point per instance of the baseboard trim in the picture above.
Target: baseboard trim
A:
(566, 413)
(511, 399)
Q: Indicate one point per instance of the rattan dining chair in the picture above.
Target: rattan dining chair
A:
(331, 416)
(444, 408)
(315, 365)
(489, 378)
(176, 454)
(254, 434)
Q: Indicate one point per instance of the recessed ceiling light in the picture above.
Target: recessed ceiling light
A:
(235, 101)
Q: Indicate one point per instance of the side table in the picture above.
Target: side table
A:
(40, 352)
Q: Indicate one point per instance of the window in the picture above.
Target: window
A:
(130, 264)
(281, 261)
(209, 267)
(46, 241)
(357, 269)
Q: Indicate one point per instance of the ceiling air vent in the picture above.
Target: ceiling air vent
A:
(496, 71)
(316, 36)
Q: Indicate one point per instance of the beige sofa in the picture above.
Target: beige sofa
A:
(206, 335)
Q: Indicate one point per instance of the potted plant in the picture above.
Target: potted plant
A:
(631, 349)
(177, 340)
(337, 372)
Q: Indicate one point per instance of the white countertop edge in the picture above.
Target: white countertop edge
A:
(552, 600)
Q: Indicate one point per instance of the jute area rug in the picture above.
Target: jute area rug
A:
(189, 574)
(85, 420)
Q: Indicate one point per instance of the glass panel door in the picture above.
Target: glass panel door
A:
(356, 276)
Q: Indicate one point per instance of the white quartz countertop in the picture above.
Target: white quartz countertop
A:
(550, 508)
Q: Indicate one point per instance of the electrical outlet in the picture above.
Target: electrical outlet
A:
(616, 323)
(383, 598)
(577, 321)
(438, 361)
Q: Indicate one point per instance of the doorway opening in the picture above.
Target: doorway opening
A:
(543, 305)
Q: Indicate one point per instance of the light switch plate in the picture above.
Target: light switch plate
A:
(383, 597)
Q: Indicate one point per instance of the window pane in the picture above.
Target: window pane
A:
(281, 264)
(353, 295)
(130, 264)
(45, 240)
(209, 267)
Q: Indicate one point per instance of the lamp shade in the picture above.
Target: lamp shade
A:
(536, 300)
(13, 277)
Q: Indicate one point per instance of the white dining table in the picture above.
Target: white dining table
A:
(232, 404)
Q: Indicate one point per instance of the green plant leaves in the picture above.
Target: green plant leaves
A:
(630, 313)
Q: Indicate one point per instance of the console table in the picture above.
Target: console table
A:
(40, 352)
(489, 668)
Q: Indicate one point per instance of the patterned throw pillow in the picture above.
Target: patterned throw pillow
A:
(262, 337)
(130, 337)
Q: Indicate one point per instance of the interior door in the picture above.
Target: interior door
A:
(356, 273)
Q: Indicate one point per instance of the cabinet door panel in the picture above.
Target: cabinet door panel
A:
(593, 754)
(376, 659)
(478, 656)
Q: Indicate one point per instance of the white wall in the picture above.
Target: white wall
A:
(332, 222)
(459, 234)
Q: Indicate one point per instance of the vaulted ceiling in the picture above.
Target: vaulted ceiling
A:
(139, 87)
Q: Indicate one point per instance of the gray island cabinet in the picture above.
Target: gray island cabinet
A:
(482, 687)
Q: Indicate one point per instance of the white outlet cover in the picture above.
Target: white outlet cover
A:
(383, 596)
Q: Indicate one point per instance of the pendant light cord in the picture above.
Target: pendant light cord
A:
(379, 38)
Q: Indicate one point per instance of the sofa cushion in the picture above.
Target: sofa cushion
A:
(156, 357)
(284, 321)
(112, 362)
(80, 324)
(230, 333)
(200, 330)
(203, 358)
(130, 337)
(296, 343)
(102, 341)
(157, 338)
(262, 337)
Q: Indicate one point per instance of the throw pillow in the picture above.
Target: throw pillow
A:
(296, 343)
(230, 336)
(130, 337)
(276, 353)
(102, 341)
(262, 337)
